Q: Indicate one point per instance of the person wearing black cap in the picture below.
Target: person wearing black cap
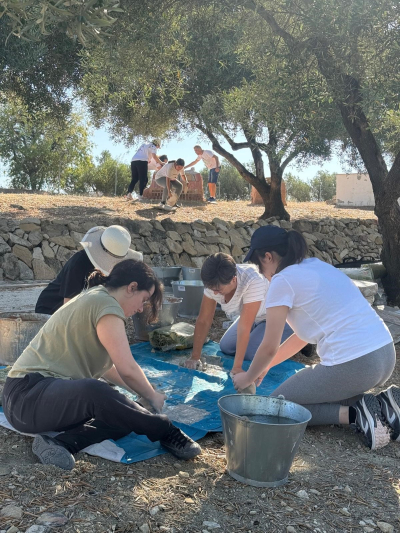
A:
(324, 307)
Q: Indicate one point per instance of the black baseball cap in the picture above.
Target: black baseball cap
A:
(266, 236)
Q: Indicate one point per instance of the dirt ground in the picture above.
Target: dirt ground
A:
(76, 207)
(348, 488)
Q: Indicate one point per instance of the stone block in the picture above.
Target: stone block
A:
(237, 239)
(4, 247)
(23, 254)
(25, 272)
(189, 248)
(19, 232)
(63, 254)
(185, 260)
(199, 226)
(198, 261)
(183, 227)
(42, 270)
(201, 249)
(47, 251)
(154, 247)
(174, 246)
(141, 246)
(14, 239)
(174, 235)
(188, 238)
(8, 225)
(55, 230)
(37, 253)
(302, 225)
(76, 236)
(64, 240)
(236, 251)
(10, 266)
(224, 249)
(169, 225)
(29, 227)
(35, 237)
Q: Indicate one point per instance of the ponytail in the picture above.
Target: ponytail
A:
(96, 278)
(296, 250)
(291, 251)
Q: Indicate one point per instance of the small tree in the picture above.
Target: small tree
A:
(297, 189)
(108, 176)
(323, 186)
(40, 147)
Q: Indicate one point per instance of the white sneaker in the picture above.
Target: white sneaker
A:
(128, 197)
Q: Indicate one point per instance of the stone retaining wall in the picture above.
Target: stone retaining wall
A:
(37, 249)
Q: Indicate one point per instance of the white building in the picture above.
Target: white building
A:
(354, 190)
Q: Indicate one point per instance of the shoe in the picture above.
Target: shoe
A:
(162, 205)
(141, 198)
(128, 197)
(390, 406)
(213, 200)
(51, 452)
(369, 420)
(180, 445)
(178, 205)
(209, 199)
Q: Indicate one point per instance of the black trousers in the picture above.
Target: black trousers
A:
(139, 174)
(88, 411)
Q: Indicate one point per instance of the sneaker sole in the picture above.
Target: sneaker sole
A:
(380, 436)
(49, 454)
(387, 396)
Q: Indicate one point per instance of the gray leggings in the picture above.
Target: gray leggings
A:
(323, 389)
(175, 184)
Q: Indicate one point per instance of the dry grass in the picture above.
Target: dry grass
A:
(76, 207)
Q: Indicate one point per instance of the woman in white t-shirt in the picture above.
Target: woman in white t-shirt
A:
(139, 166)
(324, 307)
(241, 292)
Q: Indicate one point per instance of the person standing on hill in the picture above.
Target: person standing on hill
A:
(212, 163)
(139, 166)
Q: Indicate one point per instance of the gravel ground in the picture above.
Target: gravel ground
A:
(344, 488)
(77, 207)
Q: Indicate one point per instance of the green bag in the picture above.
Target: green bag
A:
(176, 337)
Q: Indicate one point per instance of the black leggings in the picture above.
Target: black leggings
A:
(139, 174)
(88, 411)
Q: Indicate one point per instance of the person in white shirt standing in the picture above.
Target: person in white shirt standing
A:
(139, 166)
(167, 177)
(241, 292)
(212, 163)
(324, 307)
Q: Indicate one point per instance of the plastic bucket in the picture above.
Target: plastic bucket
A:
(191, 274)
(166, 317)
(167, 275)
(16, 332)
(262, 435)
(191, 293)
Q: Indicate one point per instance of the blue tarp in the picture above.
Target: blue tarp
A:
(192, 396)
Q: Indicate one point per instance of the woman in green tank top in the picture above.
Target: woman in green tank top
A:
(55, 384)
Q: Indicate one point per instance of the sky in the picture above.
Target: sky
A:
(184, 148)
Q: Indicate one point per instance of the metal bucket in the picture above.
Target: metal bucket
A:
(167, 275)
(166, 317)
(191, 293)
(16, 332)
(189, 273)
(261, 453)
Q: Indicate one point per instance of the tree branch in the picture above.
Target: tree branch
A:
(289, 159)
(232, 143)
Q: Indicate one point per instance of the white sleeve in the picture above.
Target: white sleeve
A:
(255, 291)
(209, 293)
(280, 292)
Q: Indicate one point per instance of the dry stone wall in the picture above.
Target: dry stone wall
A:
(37, 249)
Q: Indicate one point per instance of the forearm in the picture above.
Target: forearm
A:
(200, 334)
(136, 380)
(268, 356)
(113, 377)
(191, 164)
(288, 349)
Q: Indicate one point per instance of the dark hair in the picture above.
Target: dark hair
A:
(293, 251)
(218, 269)
(163, 158)
(125, 273)
(180, 162)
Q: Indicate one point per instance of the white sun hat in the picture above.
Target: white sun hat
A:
(106, 247)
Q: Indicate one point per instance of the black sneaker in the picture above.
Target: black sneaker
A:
(390, 406)
(51, 452)
(178, 205)
(369, 420)
(180, 445)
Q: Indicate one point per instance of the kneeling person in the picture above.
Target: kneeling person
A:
(168, 178)
(241, 291)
